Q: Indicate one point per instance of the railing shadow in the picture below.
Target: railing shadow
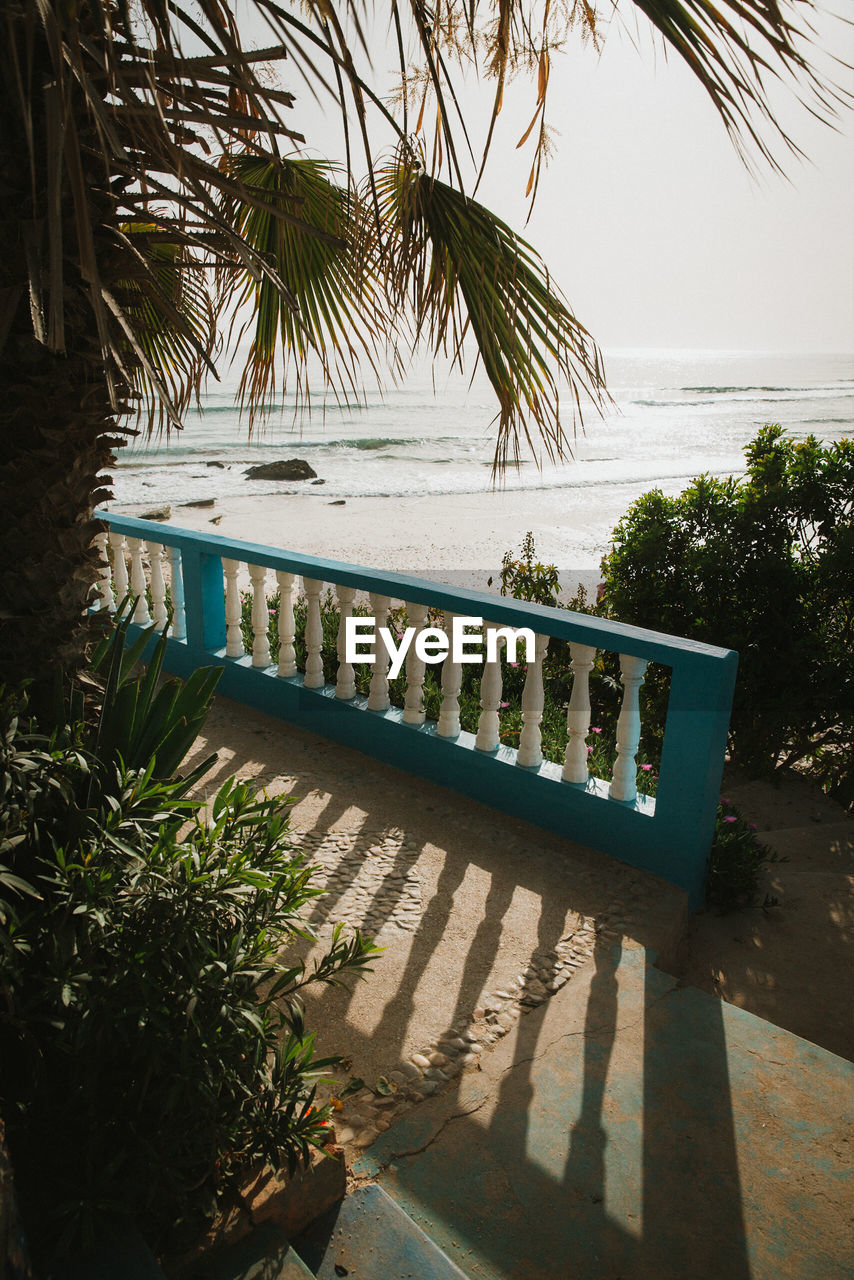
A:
(608, 1151)
(621, 1154)
(339, 790)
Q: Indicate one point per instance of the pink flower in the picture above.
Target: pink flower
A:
(646, 767)
(729, 818)
(514, 665)
(752, 826)
(724, 800)
(595, 730)
(655, 777)
(590, 751)
(504, 704)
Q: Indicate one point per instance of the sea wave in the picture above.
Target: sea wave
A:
(674, 420)
(834, 389)
(741, 396)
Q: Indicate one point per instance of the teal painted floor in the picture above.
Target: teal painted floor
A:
(629, 1128)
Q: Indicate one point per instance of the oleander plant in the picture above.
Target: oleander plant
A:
(152, 1042)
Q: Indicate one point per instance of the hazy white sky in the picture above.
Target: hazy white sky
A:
(648, 219)
(659, 235)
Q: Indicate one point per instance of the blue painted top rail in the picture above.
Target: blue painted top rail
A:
(602, 633)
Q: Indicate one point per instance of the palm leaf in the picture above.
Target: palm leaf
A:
(329, 307)
(171, 315)
(462, 269)
(733, 48)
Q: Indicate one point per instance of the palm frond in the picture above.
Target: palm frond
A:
(461, 269)
(134, 116)
(171, 317)
(330, 306)
(735, 48)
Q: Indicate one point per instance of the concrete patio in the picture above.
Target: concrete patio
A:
(573, 1110)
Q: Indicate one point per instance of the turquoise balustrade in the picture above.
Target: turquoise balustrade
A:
(669, 835)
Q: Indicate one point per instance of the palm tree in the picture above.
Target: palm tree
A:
(151, 175)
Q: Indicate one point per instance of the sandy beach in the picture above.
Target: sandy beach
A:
(455, 538)
(403, 484)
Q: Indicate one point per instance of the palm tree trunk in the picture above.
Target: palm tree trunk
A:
(57, 427)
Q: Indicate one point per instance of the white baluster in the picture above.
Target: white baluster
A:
(530, 754)
(413, 709)
(313, 635)
(138, 583)
(378, 692)
(104, 586)
(452, 679)
(260, 616)
(120, 569)
(624, 781)
(488, 737)
(176, 577)
(234, 647)
(345, 684)
(287, 627)
(575, 766)
(158, 586)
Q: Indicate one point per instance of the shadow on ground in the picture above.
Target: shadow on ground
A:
(632, 1129)
(631, 1126)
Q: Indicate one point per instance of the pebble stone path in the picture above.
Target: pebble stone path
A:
(370, 883)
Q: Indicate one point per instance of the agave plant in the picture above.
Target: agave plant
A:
(142, 719)
(151, 174)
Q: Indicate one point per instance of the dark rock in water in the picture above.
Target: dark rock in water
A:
(290, 469)
(221, 465)
(155, 513)
(318, 482)
(339, 502)
(201, 502)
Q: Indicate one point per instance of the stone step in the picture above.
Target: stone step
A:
(369, 1237)
(636, 1128)
(264, 1255)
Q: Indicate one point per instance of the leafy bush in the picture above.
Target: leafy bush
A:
(147, 718)
(736, 859)
(527, 578)
(152, 1043)
(764, 565)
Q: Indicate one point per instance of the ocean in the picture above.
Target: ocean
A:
(675, 414)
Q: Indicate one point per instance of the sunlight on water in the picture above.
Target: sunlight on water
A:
(676, 414)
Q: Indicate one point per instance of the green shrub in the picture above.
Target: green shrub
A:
(527, 578)
(152, 1043)
(763, 565)
(736, 859)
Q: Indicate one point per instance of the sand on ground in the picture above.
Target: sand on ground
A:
(456, 538)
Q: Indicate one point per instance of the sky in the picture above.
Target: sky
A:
(647, 218)
(660, 236)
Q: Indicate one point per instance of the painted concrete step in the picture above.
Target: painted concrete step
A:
(264, 1255)
(637, 1129)
(369, 1237)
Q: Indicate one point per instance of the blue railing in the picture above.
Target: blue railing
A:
(669, 835)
